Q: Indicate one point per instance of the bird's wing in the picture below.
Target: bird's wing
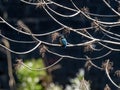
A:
(64, 41)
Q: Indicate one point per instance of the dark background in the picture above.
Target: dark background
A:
(39, 22)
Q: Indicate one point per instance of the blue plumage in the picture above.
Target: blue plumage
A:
(63, 41)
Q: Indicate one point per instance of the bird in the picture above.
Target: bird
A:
(63, 41)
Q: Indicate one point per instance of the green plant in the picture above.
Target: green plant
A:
(29, 80)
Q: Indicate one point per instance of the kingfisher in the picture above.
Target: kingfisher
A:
(63, 41)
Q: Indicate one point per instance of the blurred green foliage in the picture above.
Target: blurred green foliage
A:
(40, 80)
(29, 80)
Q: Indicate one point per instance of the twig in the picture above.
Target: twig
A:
(10, 71)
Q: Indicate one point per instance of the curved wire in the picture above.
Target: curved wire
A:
(106, 23)
(44, 34)
(73, 15)
(109, 23)
(107, 73)
(112, 49)
(71, 57)
(89, 60)
(39, 69)
(34, 3)
(21, 52)
(111, 8)
(114, 38)
(16, 41)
